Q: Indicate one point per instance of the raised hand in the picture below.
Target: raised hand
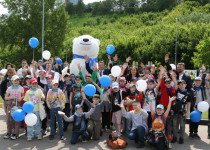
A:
(128, 59)
(79, 67)
(166, 58)
(86, 58)
(171, 99)
(121, 105)
(109, 57)
(125, 65)
(95, 67)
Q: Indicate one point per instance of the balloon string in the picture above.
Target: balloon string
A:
(33, 54)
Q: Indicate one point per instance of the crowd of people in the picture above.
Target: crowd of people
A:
(168, 100)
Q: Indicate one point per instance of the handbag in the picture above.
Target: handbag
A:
(42, 112)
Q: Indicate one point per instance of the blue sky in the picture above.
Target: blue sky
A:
(4, 10)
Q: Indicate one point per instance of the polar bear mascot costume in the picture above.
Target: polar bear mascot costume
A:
(84, 45)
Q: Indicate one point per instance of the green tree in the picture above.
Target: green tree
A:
(24, 22)
(80, 8)
(70, 8)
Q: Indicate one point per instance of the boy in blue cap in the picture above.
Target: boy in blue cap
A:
(79, 126)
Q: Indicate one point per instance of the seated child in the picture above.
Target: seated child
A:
(79, 126)
(139, 122)
(159, 119)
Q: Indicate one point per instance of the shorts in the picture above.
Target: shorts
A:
(116, 117)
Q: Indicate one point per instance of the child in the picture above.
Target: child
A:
(105, 106)
(79, 126)
(55, 102)
(14, 94)
(150, 90)
(66, 88)
(122, 82)
(139, 122)
(76, 93)
(179, 111)
(198, 97)
(34, 95)
(116, 97)
(94, 123)
(159, 119)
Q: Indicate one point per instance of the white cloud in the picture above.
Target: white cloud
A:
(90, 1)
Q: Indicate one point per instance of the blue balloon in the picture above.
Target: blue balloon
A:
(18, 115)
(33, 42)
(78, 95)
(90, 90)
(28, 107)
(110, 49)
(195, 116)
(105, 81)
(58, 61)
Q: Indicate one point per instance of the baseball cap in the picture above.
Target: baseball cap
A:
(197, 79)
(40, 61)
(131, 85)
(15, 77)
(160, 106)
(66, 75)
(49, 76)
(78, 106)
(150, 80)
(167, 80)
(135, 78)
(33, 80)
(54, 82)
(28, 77)
(182, 81)
(122, 78)
(115, 85)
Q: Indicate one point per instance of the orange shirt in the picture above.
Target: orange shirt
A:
(157, 124)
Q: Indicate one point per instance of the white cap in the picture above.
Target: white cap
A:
(54, 82)
(197, 79)
(15, 77)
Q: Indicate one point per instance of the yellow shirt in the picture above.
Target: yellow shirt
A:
(34, 97)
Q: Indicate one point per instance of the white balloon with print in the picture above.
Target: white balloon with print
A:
(3, 71)
(46, 55)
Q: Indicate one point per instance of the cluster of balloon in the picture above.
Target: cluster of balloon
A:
(195, 116)
(90, 90)
(20, 115)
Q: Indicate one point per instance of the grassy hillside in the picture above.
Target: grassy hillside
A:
(146, 36)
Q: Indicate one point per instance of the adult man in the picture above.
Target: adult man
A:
(24, 65)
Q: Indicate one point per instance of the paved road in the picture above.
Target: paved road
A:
(46, 144)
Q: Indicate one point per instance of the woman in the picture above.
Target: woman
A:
(133, 73)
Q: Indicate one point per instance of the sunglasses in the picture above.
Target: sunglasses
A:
(72, 76)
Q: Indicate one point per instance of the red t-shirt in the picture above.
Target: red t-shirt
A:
(165, 97)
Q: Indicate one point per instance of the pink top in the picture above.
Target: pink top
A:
(14, 91)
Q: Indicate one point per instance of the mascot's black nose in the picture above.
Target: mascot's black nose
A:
(85, 40)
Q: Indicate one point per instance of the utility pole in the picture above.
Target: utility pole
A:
(43, 30)
(176, 45)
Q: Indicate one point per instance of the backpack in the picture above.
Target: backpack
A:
(179, 105)
(115, 142)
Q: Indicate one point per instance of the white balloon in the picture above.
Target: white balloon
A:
(31, 119)
(116, 71)
(4, 71)
(141, 85)
(173, 66)
(203, 106)
(46, 55)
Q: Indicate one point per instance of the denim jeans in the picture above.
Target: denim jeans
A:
(178, 121)
(53, 113)
(138, 135)
(76, 134)
(37, 127)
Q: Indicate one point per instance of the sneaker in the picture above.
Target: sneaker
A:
(62, 138)
(39, 137)
(29, 139)
(196, 136)
(14, 137)
(7, 136)
(170, 146)
(181, 140)
(174, 140)
(44, 132)
(51, 137)
(84, 140)
(191, 135)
